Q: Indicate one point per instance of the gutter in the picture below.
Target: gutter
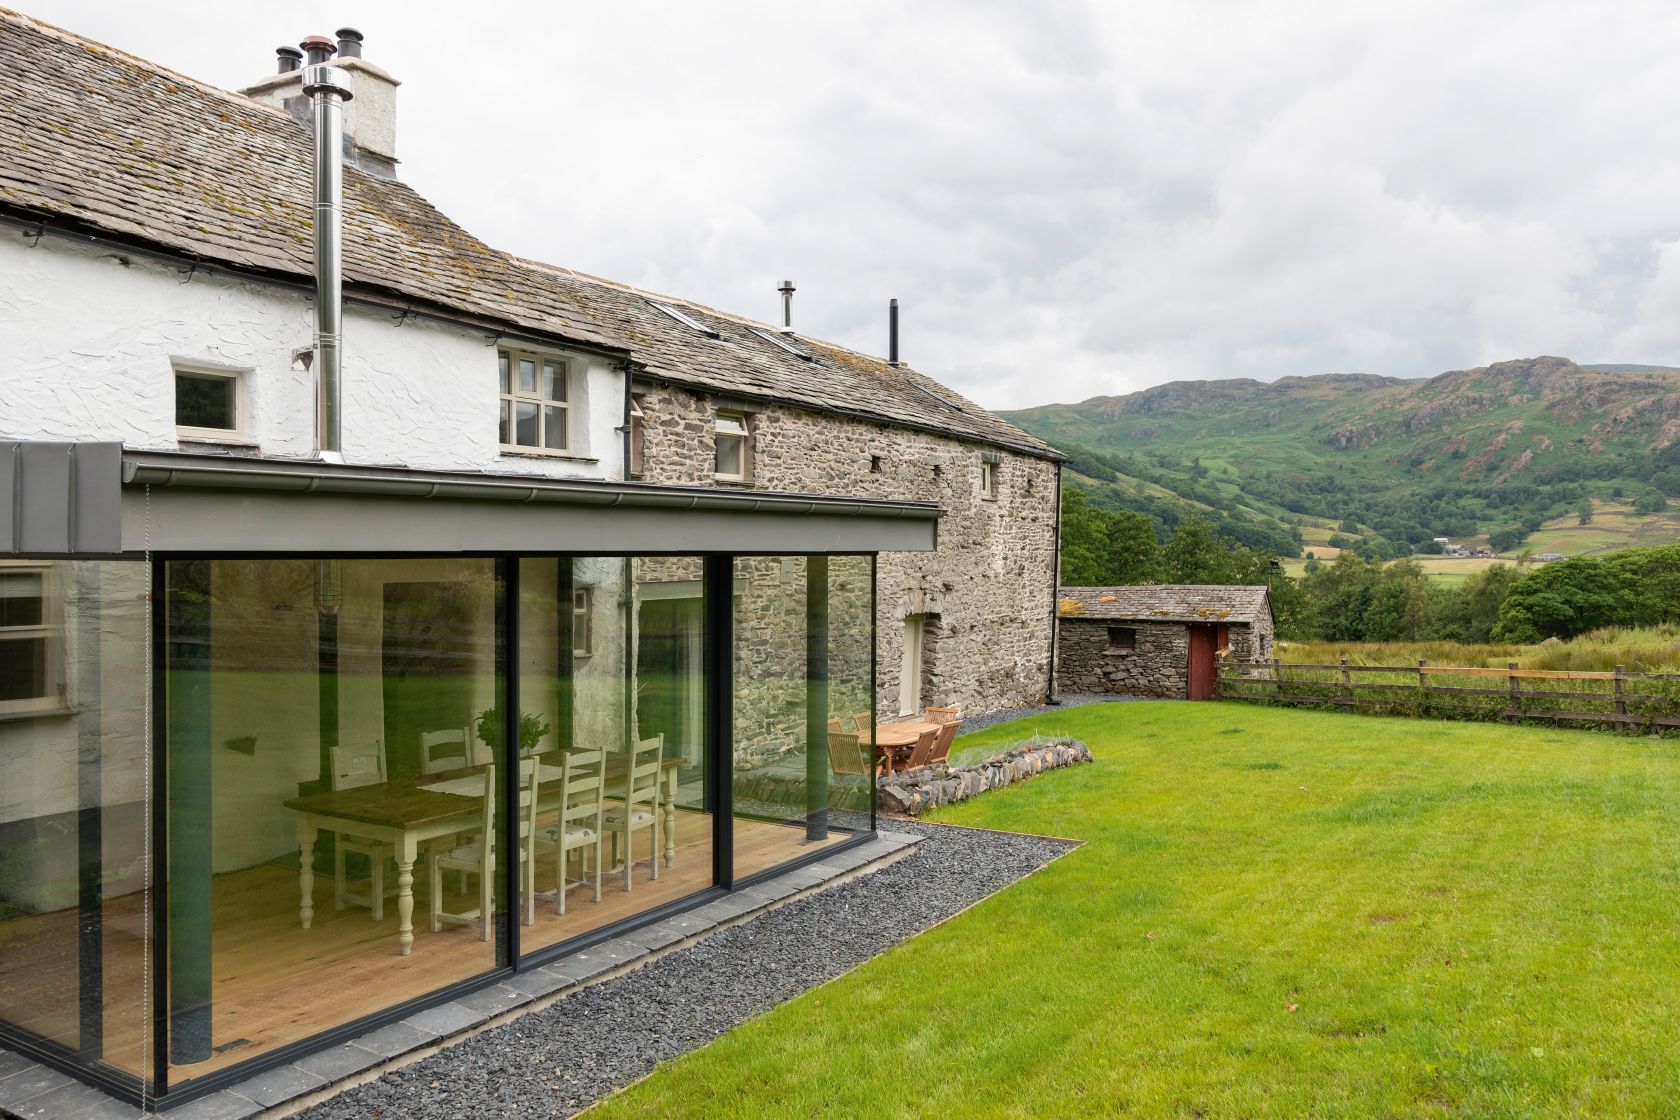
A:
(167, 469)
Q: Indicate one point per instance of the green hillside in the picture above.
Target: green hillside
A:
(1509, 453)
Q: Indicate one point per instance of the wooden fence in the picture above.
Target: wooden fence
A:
(1634, 701)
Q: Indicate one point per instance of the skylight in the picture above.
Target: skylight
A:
(929, 392)
(784, 344)
(685, 320)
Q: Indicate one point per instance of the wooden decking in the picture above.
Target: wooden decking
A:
(275, 982)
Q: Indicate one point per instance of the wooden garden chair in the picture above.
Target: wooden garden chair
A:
(942, 715)
(845, 755)
(946, 735)
(922, 752)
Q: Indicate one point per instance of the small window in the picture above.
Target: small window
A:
(874, 464)
(536, 402)
(30, 676)
(734, 449)
(988, 479)
(208, 405)
(583, 621)
(637, 429)
(1122, 637)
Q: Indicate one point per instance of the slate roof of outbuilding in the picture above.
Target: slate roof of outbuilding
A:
(112, 143)
(1167, 602)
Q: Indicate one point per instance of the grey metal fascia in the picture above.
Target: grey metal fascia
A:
(163, 469)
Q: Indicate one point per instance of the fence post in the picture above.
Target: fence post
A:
(1347, 684)
(1423, 686)
(1621, 689)
(1516, 689)
(1277, 679)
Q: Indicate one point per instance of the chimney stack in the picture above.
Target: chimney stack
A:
(787, 290)
(892, 333)
(329, 88)
(370, 121)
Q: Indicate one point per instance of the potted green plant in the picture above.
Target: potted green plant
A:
(532, 728)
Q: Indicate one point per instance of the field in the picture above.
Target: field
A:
(1652, 649)
(1275, 913)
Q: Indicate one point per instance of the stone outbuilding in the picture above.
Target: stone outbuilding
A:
(1161, 640)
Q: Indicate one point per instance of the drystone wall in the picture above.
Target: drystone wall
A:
(986, 593)
(917, 791)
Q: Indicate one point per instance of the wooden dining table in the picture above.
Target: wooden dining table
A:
(408, 813)
(896, 739)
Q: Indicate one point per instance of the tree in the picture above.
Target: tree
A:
(1504, 540)
(1649, 503)
(1564, 599)
(1195, 554)
(1584, 512)
(1134, 552)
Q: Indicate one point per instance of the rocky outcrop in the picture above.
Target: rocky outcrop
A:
(917, 791)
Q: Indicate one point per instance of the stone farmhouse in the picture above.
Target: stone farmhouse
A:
(1158, 640)
(383, 615)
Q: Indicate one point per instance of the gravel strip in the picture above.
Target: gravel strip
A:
(1068, 700)
(559, 1060)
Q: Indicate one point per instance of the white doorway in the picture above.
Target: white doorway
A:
(910, 670)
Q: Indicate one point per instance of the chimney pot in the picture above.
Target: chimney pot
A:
(317, 49)
(349, 43)
(290, 58)
(787, 291)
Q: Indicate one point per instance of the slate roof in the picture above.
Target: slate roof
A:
(1166, 602)
(105, 141)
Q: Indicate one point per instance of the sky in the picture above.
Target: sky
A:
(1068, 199)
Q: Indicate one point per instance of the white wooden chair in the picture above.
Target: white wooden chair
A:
(639, 806)
(448, 749)
(577, 828)
(477, 857)
(352, 768)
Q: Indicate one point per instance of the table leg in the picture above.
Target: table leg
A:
(405, 893)
(306, 871)
(670, 816)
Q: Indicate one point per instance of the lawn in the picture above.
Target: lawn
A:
(1275, 913)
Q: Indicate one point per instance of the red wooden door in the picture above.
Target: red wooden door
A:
(1204, 639)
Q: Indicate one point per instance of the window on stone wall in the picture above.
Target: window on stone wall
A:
(1122, 637)
(988, 479)
(734, 447)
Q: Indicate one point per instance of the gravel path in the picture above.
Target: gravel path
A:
(1068, 700)
(559, 1060)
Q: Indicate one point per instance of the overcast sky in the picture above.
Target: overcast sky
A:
(1067, 199)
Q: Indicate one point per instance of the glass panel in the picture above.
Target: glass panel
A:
(554, 427)
(617, 735)
(20, 598)
(803, 706)
(527, 375)
(554, 381)
(504, 422)
(727, 424)
(525, 424)
(73, 817)
(205, 400)
(729, 456)
(23, 669)
(333, 746)
(502, 370)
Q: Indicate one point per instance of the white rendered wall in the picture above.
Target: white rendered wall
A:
(88, 338)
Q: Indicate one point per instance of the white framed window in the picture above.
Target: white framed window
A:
(637, 429)
(988, 479)
(734, 447)
(536, 414)
(210, 405)
(31, 649)
(583, 621)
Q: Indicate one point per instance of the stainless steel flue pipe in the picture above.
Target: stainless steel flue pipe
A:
(329, 88)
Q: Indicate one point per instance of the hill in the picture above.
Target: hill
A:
(1382, 463)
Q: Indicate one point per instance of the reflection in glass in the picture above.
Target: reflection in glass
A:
(73, 806)
(611, 666)
(802, 659)
(331, 726)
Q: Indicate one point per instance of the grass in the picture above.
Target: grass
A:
(1275, 914)
(1645, 649)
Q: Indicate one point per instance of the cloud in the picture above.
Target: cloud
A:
(1068, 199)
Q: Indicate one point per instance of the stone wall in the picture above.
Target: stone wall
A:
(917, 791)
(1158, 665)
(986, 592)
